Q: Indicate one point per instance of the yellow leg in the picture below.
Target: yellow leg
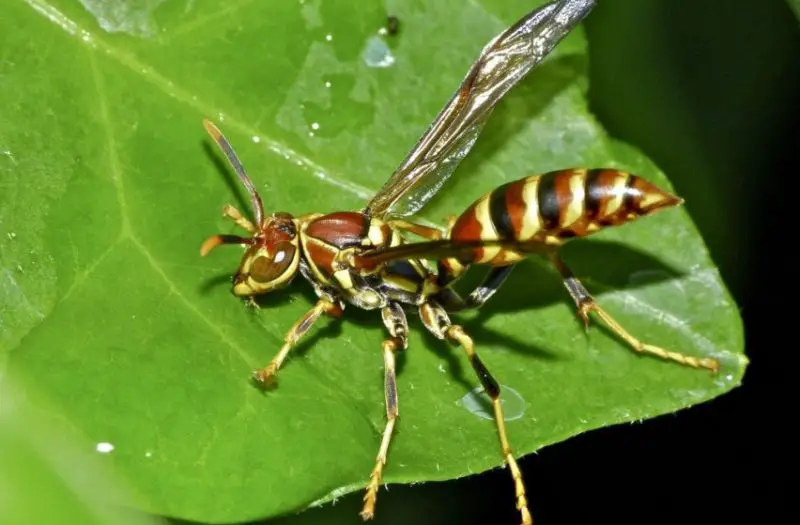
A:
(267, 374)
(695, 362)
(395, 320)
(232, 213)
(417, 229)
(371, 496)
(586, 305)
(437, 321)
(457, 334)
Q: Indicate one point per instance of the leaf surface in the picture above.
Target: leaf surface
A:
(110, 185)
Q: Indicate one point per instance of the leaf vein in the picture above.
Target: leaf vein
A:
(188, 304)
(171, 89)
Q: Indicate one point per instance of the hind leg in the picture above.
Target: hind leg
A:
(586, 305)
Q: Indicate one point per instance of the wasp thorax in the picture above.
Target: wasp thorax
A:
(271, 260)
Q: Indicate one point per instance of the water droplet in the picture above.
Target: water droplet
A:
(148, 454)
(104, 448)
(377, 53)
(256, 139)
(315, 125)
(10, 155)
(327, 83)
(328, 37)
(441, 368)
(11, 235)
(480, 404)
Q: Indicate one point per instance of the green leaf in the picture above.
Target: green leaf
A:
(795, 5)
(40, 465)
(110, 184)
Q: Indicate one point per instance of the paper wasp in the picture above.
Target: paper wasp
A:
(362, 258)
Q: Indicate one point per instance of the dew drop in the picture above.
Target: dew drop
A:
(378, 54)
(256, 139)
(104, 448)
(329, 37)
(478, 403)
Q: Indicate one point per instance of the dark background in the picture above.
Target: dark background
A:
(708, 90)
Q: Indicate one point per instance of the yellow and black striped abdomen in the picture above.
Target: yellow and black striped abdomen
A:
(556, 206)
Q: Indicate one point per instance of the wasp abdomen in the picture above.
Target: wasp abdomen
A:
(556, 206)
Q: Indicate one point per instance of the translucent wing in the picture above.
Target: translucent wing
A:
(503, 62)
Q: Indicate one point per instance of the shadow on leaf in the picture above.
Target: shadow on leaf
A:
(536, 284)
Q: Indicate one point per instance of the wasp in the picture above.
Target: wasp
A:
(365, 259)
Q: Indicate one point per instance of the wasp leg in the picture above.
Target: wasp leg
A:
(267, 374)
(425, 232)
(437, 321)
(395, 320)
(494, 279)
(586, 305)
(232, 213)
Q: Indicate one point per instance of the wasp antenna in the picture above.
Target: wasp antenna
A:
(217, 240)
(222, 142)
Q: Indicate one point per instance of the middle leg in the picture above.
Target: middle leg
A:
(494, 279)
(437, 321)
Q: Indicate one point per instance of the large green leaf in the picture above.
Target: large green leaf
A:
(110, 185)
(41, 465)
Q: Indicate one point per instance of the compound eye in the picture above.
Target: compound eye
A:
(264, 269)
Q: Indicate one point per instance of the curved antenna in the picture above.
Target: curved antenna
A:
(217, 240)
(225, 146)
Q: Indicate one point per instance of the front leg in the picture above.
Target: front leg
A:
(266, 375)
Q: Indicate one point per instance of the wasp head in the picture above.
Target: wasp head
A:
(272, 255)
(272, 259)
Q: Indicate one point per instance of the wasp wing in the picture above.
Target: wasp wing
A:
(503, 62)
(446, 249)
